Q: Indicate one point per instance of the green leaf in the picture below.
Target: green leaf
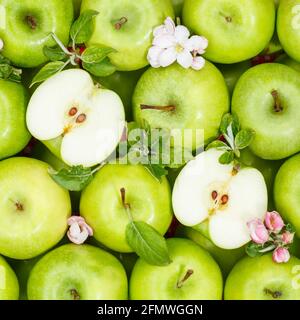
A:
(217, 144)
(73, 179)
(82, 29)
(54, 53)
(252, 250)
(95, 54)
(5, 71)
(102, 69)
(244, 138)
(227, 157)
(157, 171)
(235, 124)
(8, 72)
(290, 228)
(225, 122)
(47, 71)
(147, 243)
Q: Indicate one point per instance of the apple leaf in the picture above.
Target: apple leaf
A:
(82, 28)
(47, 71)
(227, 120)
(244, 138)
(227, 157)
(157, 171)
(253, 250)
(147, 243)
(8, 72)
(73, 179)
(96, 54)
(103, 69)
(217, 144)
(54, 53)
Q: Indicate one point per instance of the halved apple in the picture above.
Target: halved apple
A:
(222, 195)
(88, 119)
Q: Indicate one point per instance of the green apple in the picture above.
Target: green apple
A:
(192, 275)
(262, 279)
(9, 286)
(225, 258)
(236, 30)
(126, 26)
(176, 99)
(233, 72)
(26, 26)
(14, 135)
(288, 27)
(101, 203)
(33, 208)
(178, 5)
(73, 272)
(79, 122)
(123, 83)
(221, 196)
(286, 191)
(284, 59)
(266, 99)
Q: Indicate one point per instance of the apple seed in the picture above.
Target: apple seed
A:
(73, 111)
(224, 199)
(81, 118)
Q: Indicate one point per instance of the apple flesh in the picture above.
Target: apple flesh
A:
(192, 275)
(266, 99)
(187, 99)
(33, 208)
(261, 278)
(9, 286)
(27, 26)
(101, 203)
(85, 120)
(73, 272)
(127, 27)
(221, 195)
(236, 30)
(14, 135)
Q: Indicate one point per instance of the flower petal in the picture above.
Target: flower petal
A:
(198, 63)
(168, 57)
(153, 56)
(181, 34)
(164, 42)
(185, 59)
(159, 31)
(170, 25)
(197, 44)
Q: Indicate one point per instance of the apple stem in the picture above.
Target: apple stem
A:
(31, 21)
(75, 294)
(164, 108)
(125, 204)
(274, 294)
(60, 44)
(120, 23)
(277, 106)
(181, 282)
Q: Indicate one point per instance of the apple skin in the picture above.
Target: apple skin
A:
(288, 27)
(14, 135)
(286, 191)
(200, 98)
(251, 277)
(41, 221)
(284, 59)
(123, 83)
(225, 258)
(92, 272)
(23, 44)
(244, 36)
(277, 133)
(150, 282)
(134, 38)
(9, 286)
(101, 205)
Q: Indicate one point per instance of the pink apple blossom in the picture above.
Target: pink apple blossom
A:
(281, 255)
(79, 230)
(273, 221)
(258, 232)
(287, 237)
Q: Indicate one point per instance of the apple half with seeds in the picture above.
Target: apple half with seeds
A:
(77, 120)
(224, 197)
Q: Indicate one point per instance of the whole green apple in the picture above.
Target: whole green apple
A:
(225, 258)
(33, 208)
(73, 272)
(179, 99)
(236, 30)
(14, 135)
(286, 191)
(192, 275)
(9, 286)
(261, 278)
(266, 99)
(101, 203)
(26, 26)
(126, 26)
(288, 27)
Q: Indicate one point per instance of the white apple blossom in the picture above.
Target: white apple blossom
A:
(173, 43)
(1, 44)
(79, 230)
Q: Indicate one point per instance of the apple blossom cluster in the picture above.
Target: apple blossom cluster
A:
(173, 43)
(79, 230)
(272, 234)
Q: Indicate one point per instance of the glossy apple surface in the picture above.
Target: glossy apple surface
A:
(9, 286)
